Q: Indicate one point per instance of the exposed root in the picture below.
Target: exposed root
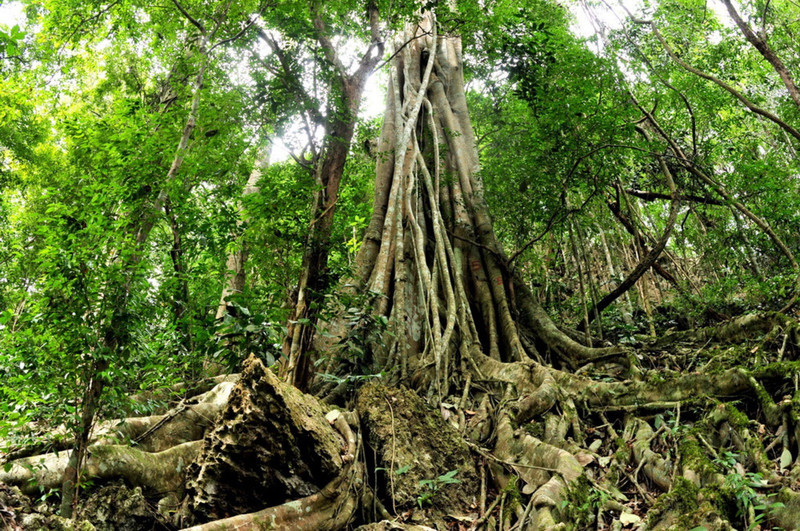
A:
(159, 473)
(185, 422)
(741, 328)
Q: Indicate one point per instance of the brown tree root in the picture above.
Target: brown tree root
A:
(189, 392)
(631, 395)
(155, 433)
(159, 473)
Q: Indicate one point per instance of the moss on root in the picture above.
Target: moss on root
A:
(684, 507)
(413, 444)
(694, 457)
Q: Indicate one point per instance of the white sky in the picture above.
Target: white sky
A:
(11, 14)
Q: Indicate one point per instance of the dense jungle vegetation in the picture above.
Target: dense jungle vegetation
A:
(552, 284)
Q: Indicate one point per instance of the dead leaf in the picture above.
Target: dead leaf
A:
(629, 518)
(786, 459)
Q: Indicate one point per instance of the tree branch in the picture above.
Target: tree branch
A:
(238, 34)
(760, 44)
(189, 17)
(327, 46)
(369, 60)
(735, 93)
(653, 196)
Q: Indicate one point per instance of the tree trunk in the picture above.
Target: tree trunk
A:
(314, 277)
(430, 257)
(237, 258)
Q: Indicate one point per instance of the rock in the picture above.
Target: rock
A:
(271, 444)
(419, 452)
(116, 507)
(17, 512)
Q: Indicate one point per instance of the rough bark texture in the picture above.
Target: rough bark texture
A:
(270, 444)
(314, 279)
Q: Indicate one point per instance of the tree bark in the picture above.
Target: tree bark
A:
(345, 93)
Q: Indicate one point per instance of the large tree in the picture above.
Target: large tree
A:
(538, 428)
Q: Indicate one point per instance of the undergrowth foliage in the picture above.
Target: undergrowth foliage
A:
(580, 251)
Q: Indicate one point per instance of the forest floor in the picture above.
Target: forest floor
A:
(693, 430)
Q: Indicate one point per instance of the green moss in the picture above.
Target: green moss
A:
(687, 506)
(535, 429)
(580, 503)
(682, 500)
(737, 419)
(777, 369)
(693, 456)
(764, 398)
(513, 496)
(623, 453)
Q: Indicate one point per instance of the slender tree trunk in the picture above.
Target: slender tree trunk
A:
(590, 277)
(113, 331)
(237, 258)
(581, 287)
(627, 310)
(650, 258)
(180, 299)
(314, 278)
(752, 259)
